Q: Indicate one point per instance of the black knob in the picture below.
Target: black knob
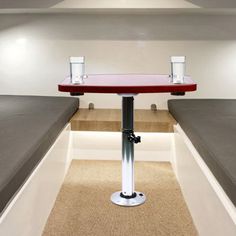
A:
(137, 139)
(132, 138)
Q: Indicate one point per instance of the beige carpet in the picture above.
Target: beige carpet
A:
(83, 205)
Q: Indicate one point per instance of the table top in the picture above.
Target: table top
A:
(127, 84)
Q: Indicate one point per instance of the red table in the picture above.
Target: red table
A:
(127, 86)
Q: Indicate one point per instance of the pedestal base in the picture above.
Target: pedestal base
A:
(137, 200)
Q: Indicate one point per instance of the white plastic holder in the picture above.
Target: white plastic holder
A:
(77, 70)
(177, 69)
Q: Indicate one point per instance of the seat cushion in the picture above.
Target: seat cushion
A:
(29, 125)
(210, 124)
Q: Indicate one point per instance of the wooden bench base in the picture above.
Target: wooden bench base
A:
(110, 120)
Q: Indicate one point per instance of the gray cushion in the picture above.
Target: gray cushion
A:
(29, 125)
(211, 126)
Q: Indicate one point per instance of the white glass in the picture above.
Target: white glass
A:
(177, 69)
(77, 70)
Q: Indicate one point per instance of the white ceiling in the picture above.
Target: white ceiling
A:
(117, 3)
(214, 3)
(28, 3)
(125, 4)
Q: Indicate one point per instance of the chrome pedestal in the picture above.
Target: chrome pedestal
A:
(128, 197)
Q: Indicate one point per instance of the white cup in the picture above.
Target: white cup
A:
(77, 70)
(177, 69)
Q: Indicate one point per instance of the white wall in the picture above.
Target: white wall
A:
(34, 51)
(154, 146)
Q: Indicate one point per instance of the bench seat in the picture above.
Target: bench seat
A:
(210, 124)
(29, 125)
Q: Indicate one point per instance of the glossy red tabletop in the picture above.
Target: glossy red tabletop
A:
(129, 83)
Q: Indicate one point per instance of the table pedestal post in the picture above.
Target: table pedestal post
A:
(128, 197)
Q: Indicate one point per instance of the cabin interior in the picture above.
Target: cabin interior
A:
(117, 117)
